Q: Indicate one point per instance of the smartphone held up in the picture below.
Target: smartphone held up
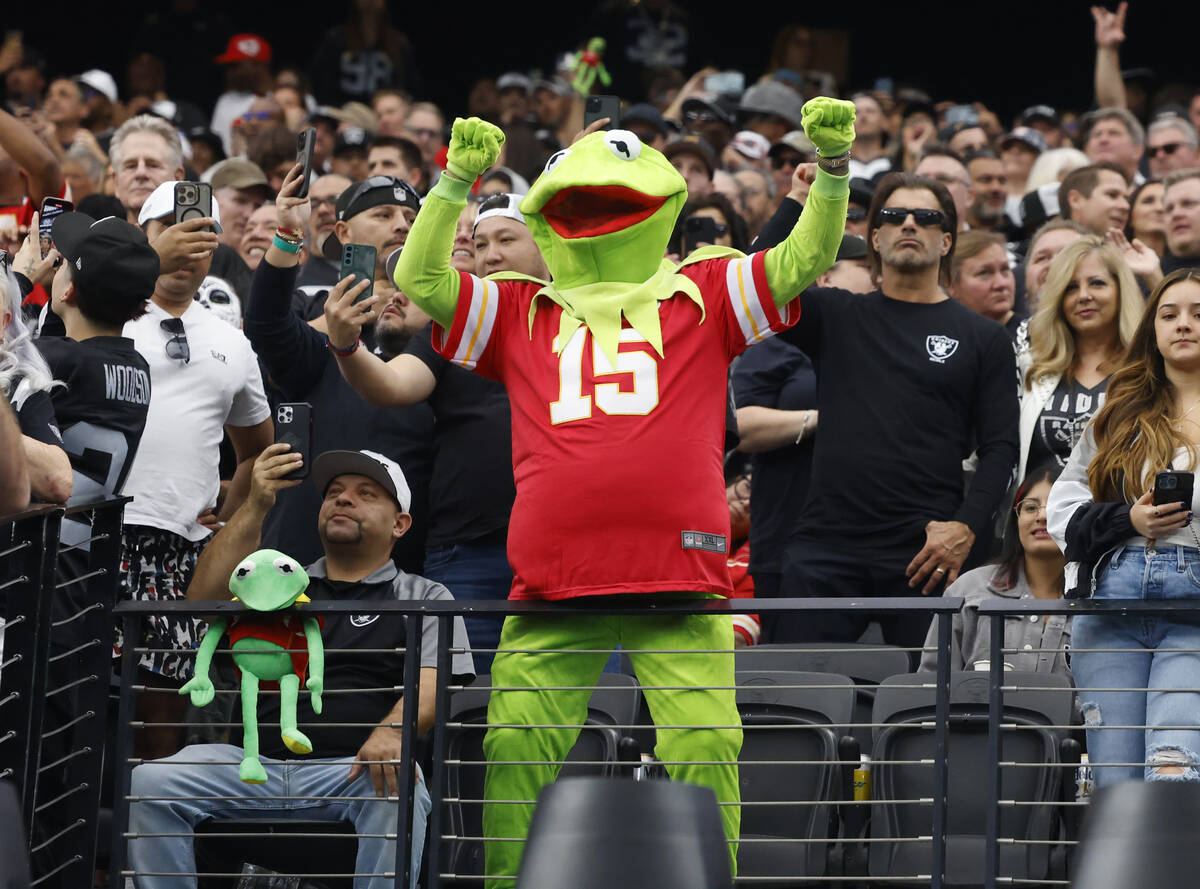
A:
(358, 261)
(51, 209)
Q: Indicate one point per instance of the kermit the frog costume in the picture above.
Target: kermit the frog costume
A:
(616, 373)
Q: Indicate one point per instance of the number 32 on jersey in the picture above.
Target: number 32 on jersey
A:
(573, 404)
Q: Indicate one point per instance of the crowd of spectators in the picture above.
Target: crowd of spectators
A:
(992, 276)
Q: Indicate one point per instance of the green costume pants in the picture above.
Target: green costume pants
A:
(529, 659)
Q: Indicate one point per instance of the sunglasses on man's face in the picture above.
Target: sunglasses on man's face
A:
(921, 216)
(780, 161)
(855, 214)
(1168, 149)
(177, 345)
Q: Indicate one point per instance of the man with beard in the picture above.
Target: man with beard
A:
(363, 504)
(378, 212)
(472, 490)
(886, 513)
(300, 367)
(989, 185)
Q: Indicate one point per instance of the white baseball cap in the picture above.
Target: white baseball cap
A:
(162, 203)
(506, 205)
(378, 468)
(101, 81)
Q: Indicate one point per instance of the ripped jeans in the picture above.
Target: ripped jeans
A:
(1156, 658)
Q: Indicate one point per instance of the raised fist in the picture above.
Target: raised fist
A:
(474, 146)
(829, 123)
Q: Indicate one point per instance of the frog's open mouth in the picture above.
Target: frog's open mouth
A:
(584, 211)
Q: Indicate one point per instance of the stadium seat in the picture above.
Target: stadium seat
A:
(591, 833)
(598, 752)
(867, 665)
(796, 765)
(902, 769)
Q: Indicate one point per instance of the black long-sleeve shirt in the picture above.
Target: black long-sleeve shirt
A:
(300, 368)
(906, 391)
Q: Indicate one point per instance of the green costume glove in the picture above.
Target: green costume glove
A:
(829, 124)
(474, 146)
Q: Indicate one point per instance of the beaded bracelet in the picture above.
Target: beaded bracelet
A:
(342, 352)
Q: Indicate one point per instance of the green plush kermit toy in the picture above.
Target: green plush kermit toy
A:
(265, 647)
(616, 372)
(589, 67)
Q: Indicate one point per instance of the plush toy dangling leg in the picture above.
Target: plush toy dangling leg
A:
(294, 739)
(251, 770)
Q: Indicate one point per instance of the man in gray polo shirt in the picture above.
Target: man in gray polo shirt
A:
(351, 771)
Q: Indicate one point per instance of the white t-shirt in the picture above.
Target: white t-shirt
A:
(230, 106)
(174, 476)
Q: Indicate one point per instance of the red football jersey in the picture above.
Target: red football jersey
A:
(617, 469)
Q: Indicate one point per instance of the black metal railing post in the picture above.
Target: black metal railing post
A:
(408, 737)
(123, 767)
(995, 749)
(941, 734)
(436, 781)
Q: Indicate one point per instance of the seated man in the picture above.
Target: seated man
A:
(363, 511)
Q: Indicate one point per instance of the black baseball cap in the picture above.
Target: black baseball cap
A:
(351, 139)
(372, 192)
(108, 257)
(646, 113)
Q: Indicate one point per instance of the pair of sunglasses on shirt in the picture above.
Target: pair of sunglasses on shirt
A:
(921, 216)
(177, 345)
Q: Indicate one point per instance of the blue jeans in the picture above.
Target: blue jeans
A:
(475, 571)
(1158, 662)
(162, 826)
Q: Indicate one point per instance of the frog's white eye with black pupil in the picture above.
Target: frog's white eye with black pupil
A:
(557, 158)
(623, 144)
(244, 570)
(284, 565)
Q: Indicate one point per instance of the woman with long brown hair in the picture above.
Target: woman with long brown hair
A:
(1139, 671)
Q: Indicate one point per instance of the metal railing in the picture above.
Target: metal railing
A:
(845, 760)
(55, 675)
(1000, 729)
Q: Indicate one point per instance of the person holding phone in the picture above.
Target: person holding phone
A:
(1132, 542)
(302, 368)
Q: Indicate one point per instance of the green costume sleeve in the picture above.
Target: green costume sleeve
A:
(812, 246)
(423, 271)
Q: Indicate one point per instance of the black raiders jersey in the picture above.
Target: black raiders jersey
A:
(101, 410)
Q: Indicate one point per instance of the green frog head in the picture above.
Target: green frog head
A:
(604, 209)
(268, 580)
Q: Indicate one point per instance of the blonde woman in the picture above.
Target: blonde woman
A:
(1088, 312)
(1137, 674)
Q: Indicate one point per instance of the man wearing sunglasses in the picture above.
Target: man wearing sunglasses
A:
(301, 367)
(472, 490)
(1171, 144)
(206, 383)
(377, 212)
(911, 381)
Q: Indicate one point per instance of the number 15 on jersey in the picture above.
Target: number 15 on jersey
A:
(573, 404)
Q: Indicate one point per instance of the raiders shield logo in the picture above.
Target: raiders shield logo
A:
(940, 347)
